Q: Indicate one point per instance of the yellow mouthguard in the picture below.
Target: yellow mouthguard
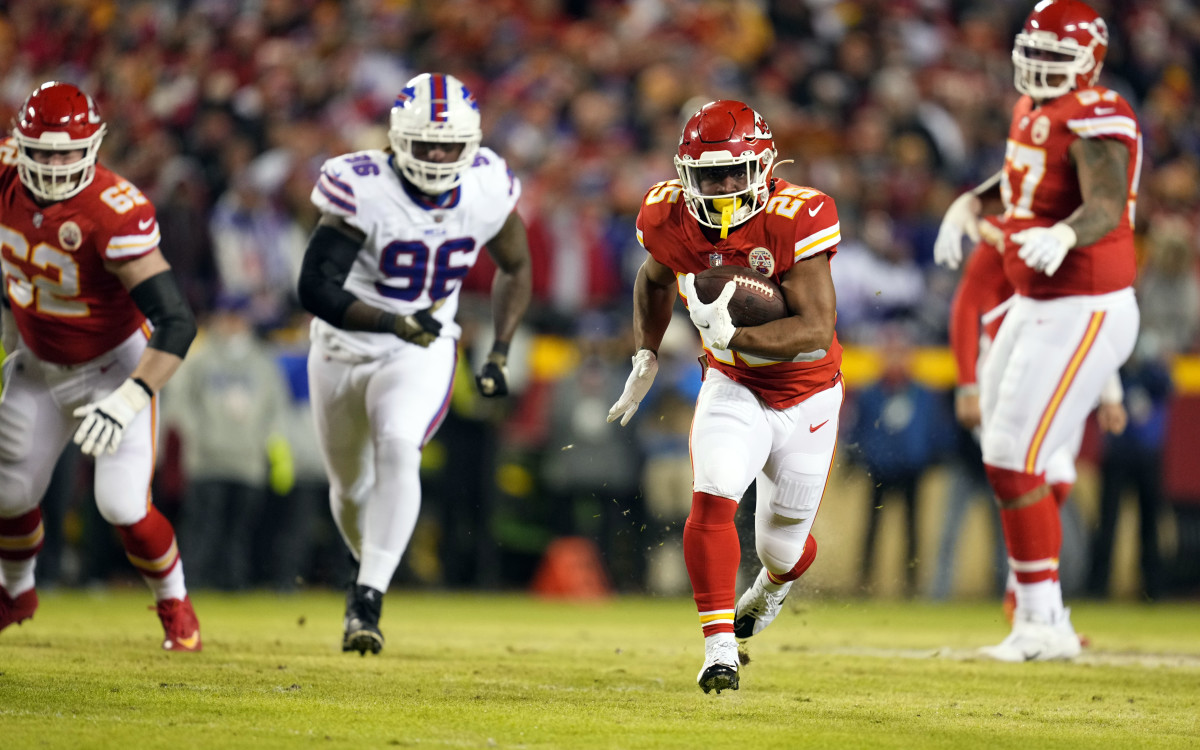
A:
(726, 206)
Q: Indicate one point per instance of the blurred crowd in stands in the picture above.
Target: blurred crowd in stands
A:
(223, 111)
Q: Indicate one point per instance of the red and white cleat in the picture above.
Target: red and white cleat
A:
(180, 626)
(15, 610)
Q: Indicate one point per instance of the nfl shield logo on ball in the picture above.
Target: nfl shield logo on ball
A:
(762, 261)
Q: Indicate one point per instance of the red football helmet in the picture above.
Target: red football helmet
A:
(722, 136)
(1063, 41)
(58, 117)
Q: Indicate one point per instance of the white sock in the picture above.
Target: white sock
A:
(376, 567)
(17, 575)
(170, 586)
(1041, 600)
(769, 585)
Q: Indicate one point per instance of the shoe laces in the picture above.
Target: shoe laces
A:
(767, 602)
(721, 651)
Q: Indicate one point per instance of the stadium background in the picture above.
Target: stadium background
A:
(223, 111)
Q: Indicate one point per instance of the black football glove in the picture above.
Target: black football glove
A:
(493, 376)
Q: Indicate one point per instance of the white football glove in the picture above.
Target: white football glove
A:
(961, 218)
(104, 421)
(645, 367)
(1043, 248)
(713, 318)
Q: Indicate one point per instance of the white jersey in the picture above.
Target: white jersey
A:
(418, 249)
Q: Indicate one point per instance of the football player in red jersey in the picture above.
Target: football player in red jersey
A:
(1069, 184)
(772, 394)
(102, 326)
(983, 296)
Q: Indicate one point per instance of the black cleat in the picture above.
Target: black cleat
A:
(721, 662)
(718, 677)
(363, 607)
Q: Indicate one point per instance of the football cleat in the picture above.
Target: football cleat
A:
(720, 670)
(180, 627)
(15, 610)
(363, 607)
(1035, 639)
(758, 607)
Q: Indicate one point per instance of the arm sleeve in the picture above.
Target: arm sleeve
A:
(160, 300)
(327, 262)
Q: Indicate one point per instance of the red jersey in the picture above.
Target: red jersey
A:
(980, 302)
(68, 307)
(798, 223)
(1041, 187)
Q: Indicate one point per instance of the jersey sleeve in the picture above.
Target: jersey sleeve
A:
(128, 235)
(817, 229)
(652, 220)
(1102, 113)
(501, 186)
(334, 192)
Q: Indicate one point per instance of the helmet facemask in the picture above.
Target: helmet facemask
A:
(725, 210)
(434, 109)
(1046, 67)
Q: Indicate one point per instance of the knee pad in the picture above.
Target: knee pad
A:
(797, 495)
(119, 511)
(397, 453)
(999, 447)
(799, 486)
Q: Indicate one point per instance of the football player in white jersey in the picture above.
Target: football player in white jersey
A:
(399, 230)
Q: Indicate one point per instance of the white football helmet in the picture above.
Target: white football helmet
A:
(435, 108)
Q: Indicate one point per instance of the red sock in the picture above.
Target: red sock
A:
(712, 552)
(1061, 490)
(150, 544)
(806, 559)
(1033, 533)
(21, 537)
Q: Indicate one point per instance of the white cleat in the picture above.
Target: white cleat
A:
(720, 670)
(758, 607)
(1034, 639)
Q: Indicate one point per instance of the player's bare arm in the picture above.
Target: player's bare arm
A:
(512, 285)
(808, 289)
(153, 288)
(1103, 169)
(653, 301)
(331, 251)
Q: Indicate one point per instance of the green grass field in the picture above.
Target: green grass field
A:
(509, 671)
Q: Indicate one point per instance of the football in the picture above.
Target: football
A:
(756, 299)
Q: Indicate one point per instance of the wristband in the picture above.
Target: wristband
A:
(144, 385)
